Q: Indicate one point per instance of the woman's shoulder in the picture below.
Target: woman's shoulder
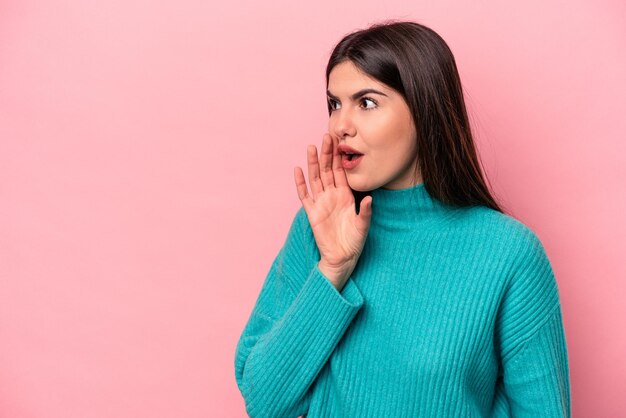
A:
(493, 225)
(499, 222)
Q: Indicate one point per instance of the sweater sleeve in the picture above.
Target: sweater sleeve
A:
(535, 370)
(297, 321)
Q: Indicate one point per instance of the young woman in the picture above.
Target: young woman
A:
(402, 288)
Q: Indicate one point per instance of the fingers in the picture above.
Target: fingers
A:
(301, 188)
(326, 169)
(314, 172)
(338, 170)
(327, 172)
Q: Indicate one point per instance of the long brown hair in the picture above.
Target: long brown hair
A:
(416, 62)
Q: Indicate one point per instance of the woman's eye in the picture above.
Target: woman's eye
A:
(368, 99)
(364, 99)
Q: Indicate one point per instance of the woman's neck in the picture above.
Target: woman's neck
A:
(402, 208)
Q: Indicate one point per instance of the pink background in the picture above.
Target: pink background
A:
(146, 181)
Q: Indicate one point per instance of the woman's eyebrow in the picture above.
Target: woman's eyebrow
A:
(358, 94)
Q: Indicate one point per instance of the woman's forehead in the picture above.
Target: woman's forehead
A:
(346, 79)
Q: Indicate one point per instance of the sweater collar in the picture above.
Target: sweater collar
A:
(403, 207)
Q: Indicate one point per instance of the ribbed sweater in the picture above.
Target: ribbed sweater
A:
(449, 312)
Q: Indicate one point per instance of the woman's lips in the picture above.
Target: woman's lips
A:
(350, 164)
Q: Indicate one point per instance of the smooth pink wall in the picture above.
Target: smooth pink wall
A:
(146, 181)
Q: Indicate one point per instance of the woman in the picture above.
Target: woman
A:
(402, 288)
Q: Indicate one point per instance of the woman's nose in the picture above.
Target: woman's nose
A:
(343, 124)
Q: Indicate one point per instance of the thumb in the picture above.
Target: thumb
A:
(365, 210)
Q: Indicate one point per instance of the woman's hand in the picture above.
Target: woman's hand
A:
(339, 232)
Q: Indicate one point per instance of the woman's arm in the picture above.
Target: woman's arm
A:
(297, 321)
(535, 368)
(536, 379)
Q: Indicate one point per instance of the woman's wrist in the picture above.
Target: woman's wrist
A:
(336, 275)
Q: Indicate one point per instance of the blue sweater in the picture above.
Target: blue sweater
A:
(449, 312)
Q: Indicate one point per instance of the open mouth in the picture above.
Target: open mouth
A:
(350, 161)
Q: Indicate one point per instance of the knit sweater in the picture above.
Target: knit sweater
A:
(449, 312)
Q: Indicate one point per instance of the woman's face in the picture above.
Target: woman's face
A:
(377, 125)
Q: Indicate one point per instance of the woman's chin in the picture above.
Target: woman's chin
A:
(358, 186)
